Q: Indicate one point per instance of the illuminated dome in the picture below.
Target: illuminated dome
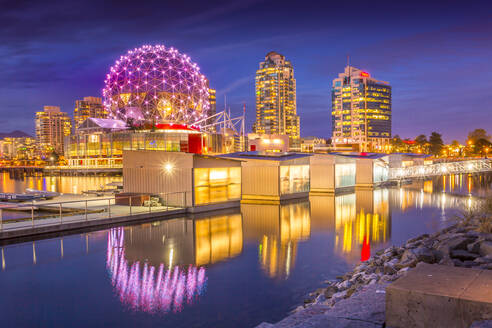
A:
(155, 84)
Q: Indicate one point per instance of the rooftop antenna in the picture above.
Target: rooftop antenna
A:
(244, 118)
(225, 111)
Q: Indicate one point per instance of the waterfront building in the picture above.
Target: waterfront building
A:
(154, 85)
(361, 111)
(100, 142)
(19, 149)
(156, 99)
(268, 143)
(341, 171)
(205, 182)
(52, 126)
(269, 178)
(276, 107)
(313, 145)
(88, 107)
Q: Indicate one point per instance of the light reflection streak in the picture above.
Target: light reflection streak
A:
(151, 291)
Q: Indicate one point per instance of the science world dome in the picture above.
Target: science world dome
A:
(155, 85)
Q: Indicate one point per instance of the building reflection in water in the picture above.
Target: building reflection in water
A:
(277, 229)
(62, 184)
(149, 288)
(159, 266)
(459, 184)
(218, 238)
(361, 220)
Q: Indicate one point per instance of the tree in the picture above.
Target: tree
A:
(421, 143)
(483, 146)
(397, 144)
(436, 143)
(456, 148)
(421, 139)
(478, 134)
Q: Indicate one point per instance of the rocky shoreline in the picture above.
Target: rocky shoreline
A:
(357, 299)
(456, 245)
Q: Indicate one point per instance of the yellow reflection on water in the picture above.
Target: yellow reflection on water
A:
(218, 238)
(278, 229)
(361, 220)
(63, 184)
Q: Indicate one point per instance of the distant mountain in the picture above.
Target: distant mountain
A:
(14, 134)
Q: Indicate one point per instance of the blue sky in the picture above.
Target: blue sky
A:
(435, 54)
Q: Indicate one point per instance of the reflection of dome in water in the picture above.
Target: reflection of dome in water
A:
(155, 84)
(155, 288)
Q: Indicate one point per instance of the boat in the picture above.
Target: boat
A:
(14, 197)
(117, 184)
(42, 193)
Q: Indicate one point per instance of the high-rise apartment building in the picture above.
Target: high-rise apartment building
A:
(276, 109)
(361, 111)
(88, 107)
(52, 126)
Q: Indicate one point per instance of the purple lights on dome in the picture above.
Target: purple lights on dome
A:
(155, 84)
(150, 289)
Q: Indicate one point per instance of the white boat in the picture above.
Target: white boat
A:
(42, 193)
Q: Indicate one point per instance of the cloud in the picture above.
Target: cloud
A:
(236, 84)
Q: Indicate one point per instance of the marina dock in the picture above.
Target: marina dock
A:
(76, 212)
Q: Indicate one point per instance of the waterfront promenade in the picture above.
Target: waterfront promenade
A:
(74, 212)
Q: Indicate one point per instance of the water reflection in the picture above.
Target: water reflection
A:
(360, 220)
(64, 184)
(277, 229)
(218, 238)
(459, 184)
(169, 266)
(155, 288)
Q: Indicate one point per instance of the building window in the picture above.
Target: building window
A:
(344, 175)
(294, 178)
(380, 172)
(214, 185)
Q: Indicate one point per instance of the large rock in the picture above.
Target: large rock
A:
(486, 248)
(463, 255)
(408, 255)
(456, 242)
(474, 247)
(330, 291)
(424, 254)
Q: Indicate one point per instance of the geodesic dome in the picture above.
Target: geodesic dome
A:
(155, 84)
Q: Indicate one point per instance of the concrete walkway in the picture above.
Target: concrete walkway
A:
(439, 296)
(74, 215)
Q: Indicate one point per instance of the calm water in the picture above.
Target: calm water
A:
(71, 185)
(236, 269)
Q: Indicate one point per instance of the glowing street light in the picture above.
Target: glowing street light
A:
(168, 168)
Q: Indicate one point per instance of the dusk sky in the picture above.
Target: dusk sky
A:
(437, 55)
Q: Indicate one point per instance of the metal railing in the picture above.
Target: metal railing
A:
(45, 213)
(458, 167)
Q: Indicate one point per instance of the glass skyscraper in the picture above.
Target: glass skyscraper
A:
(361, 111)
(276, 108)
